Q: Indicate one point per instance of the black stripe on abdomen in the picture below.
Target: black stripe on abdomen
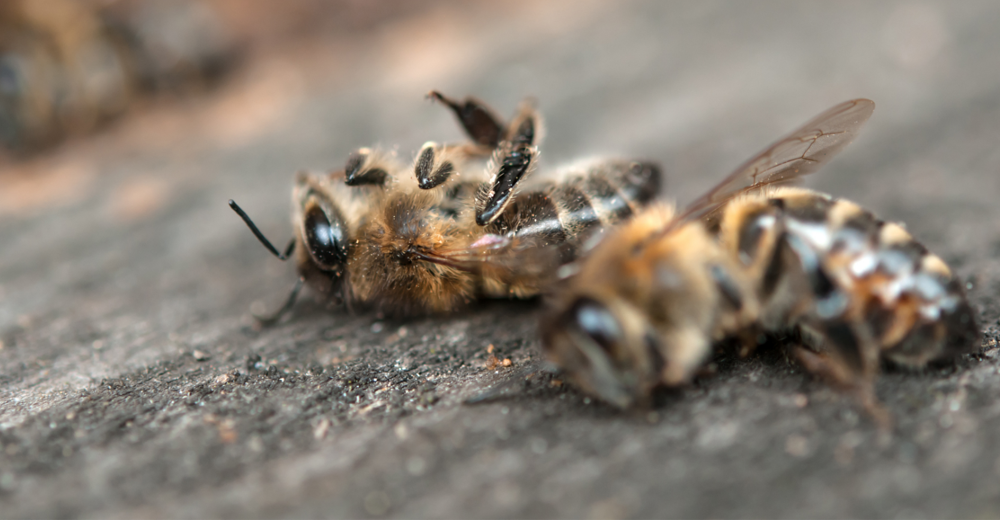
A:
(640, 182)
(614, 205)
(805, 208)
(578, 215)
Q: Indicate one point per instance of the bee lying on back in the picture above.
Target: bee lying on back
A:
(647, 305)
(433, 236)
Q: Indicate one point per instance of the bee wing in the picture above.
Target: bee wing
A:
(802, 152)
(505, 257)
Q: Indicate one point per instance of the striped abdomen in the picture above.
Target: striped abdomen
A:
(565, 213)
(864, 286)
(547, 227)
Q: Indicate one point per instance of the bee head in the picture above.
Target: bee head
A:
(606, 348)
(323, 234)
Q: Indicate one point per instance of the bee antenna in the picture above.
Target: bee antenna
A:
(260, 236)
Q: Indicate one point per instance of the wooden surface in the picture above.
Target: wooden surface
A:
(133, 385)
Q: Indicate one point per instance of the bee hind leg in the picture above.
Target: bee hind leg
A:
(841, 375)
(476, 118)
(513, 160)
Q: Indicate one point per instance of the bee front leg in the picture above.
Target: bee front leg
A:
(435, 163)
(368, 167)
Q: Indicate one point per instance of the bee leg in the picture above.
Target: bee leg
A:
(526, 127)
(270, 319)
(509, 167)
(436, 163)
(850, 356)
(748, 340)
(841, 375)
(709, 370)
(478, 120)
(431, 173)
(512, 162)
(365, 167)
(348, 298)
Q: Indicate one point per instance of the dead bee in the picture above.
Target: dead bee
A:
(170, 46)
(67, 66)
(433, 236)
(58, 74)
(647, 305)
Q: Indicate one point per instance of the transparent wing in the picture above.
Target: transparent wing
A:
(802, 152)
(503, 257)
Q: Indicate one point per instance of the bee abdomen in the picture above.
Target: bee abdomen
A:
(567, 213)
(916, 308)
(606, 194)
(863, 269)
(533, 218)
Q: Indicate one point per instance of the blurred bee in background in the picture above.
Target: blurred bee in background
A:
(647, 306)
(434, 235)
(67, 66)
(170, 46)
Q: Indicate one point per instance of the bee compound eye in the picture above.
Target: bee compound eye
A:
(325, 239)
(594, 319)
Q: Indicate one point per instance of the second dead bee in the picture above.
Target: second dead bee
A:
(434, 235)
(648, 305)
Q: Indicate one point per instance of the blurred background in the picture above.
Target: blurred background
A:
(84, 86)
(126, 126)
